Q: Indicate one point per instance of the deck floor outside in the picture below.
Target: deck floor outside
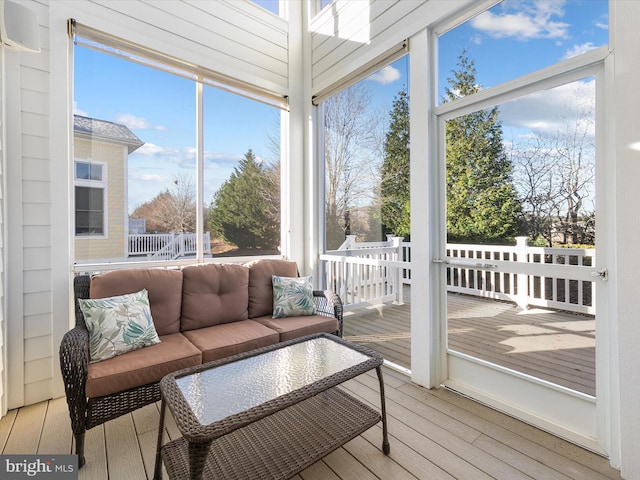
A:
(554, 346)
(434, 434)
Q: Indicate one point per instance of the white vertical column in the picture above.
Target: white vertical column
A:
(427, 336)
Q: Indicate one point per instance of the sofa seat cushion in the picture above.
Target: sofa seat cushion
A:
(228, 339)
(214, 294)
(141, 367)
(295, 327)
(261, 286)
(164, 288)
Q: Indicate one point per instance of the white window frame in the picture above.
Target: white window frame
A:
(97, 184)
(109, 45)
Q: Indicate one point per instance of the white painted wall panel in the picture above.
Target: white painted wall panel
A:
(346, 48)
(36, 281)
(36, 192)
(35, 392)
(37, 348)
(35, 147)
(36, 214)
(3, 399)
(235, 31)
(37, 325)
(34, 124)
(247, 17)
(35, 236)
(37, 303)
(37, 370)
(36, 169)
(626, 166)
(33, 78)
(38, 258)
(356, 26)
(191, 32)
(35, 102)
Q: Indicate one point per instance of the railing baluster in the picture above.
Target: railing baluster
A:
(368, 277)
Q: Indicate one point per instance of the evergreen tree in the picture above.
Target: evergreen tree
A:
(240, 212)
(394, 188)
(482, 203)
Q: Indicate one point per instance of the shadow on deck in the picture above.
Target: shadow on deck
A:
(554, 346)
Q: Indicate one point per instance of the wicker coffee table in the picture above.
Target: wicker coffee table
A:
(266, 414)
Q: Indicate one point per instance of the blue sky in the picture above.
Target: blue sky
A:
(513, 38)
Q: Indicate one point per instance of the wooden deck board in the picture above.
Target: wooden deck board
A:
(554, 346)
(434, 435)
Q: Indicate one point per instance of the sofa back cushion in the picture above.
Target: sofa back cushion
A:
(164, 288)
(261, 287)
(213, 294)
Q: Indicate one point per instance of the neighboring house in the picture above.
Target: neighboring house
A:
(101, 151)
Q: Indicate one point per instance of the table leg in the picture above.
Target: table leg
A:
(157, 472)
(386, 448)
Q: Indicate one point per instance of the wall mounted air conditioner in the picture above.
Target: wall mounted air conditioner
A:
(19, 28)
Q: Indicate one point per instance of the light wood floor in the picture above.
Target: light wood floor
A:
(554, 346)
(434, 434)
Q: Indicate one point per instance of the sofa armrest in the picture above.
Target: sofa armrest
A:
(74, 363)
(81, 285)
(328, 303)
(74, 358)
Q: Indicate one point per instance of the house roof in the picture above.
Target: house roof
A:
(107, 131)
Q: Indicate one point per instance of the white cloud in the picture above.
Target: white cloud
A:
(77, 111)
(386, 75)
(579, 49)
(602, 22)
(148, 177)
(558, 110)
(149, 150)
(525, 21)
(136, 123)
(152, 169)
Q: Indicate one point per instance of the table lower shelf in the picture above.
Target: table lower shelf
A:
(281, 445)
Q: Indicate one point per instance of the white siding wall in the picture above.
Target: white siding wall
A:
(29, 302)
(36, 206)
(350, 34)
(235, 38)
(3, 325)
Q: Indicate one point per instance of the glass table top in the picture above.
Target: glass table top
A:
(235, 387)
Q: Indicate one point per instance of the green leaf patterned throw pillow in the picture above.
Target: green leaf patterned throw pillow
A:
(118, 324)
(292, 296)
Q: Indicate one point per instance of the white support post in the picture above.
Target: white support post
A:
(396, 243)
(522, 297)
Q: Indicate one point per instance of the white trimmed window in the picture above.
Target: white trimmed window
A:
(90, 198)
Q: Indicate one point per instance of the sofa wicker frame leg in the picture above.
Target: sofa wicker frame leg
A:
(80, 449)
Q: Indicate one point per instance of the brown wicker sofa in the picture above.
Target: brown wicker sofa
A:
(200, 312)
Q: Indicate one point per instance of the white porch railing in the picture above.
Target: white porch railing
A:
(165, 246)
(365, 273)
(369, 273)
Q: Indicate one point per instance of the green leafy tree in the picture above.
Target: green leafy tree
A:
(394, 188)
(482, 202)
(241, 212)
